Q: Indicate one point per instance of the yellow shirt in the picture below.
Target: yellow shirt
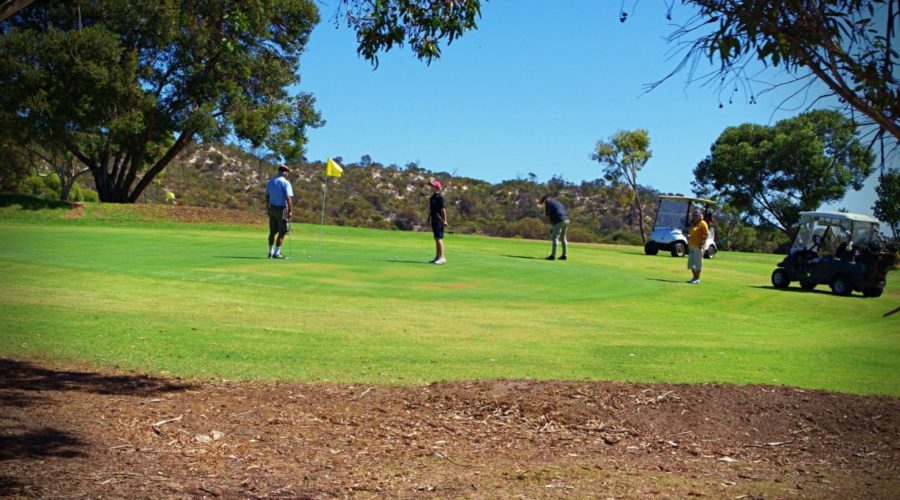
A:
(698, 235)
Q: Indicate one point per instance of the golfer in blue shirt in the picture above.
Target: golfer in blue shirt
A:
(278, 198)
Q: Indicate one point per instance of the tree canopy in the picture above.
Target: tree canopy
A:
(772, 173)
(125, 86)
(423, 24)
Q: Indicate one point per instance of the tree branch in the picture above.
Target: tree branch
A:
(10, 7)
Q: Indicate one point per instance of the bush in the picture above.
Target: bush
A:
(79, 193)
(45, 186)
(581, 235)
(623, 238)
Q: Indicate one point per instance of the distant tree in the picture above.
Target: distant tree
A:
(772, 173)
(365, 160)
(125, 86)
(887, 206)
(624, 155)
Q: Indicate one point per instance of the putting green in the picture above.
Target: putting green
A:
(204, 301)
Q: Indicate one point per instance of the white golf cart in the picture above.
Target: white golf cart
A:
(673, 222)
(843, 250)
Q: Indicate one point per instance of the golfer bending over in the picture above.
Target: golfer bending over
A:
(437, 217)
(697, 236)
(555, 214)
(278, 198)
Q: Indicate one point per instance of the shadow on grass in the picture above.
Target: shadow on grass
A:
(238, 257)
(396, 261)
(31, 202)
(19, 380)
(800, 290)
(524, 257)
(668, 281)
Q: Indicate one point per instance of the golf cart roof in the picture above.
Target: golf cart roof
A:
(827, 214)
(688, 198)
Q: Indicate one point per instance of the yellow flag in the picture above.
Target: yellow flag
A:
(332, 169)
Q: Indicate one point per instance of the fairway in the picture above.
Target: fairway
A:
(203, 301)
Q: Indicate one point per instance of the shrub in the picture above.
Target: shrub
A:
(623, 238)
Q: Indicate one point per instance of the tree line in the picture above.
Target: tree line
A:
(394, 197)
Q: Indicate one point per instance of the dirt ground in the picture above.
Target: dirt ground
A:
(71, 431)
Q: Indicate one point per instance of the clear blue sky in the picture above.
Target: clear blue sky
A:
(530, 91)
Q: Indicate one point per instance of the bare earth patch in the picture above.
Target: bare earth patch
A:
(72, 431)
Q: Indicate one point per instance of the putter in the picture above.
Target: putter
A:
(290, 245)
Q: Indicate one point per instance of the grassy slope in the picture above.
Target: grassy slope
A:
(192, 300)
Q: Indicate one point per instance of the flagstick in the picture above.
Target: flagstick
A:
(322, 223)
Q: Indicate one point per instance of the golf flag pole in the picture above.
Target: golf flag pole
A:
(322, 222)
(332, 169)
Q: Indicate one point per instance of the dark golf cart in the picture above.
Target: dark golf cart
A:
(842, 250)
(670, 228)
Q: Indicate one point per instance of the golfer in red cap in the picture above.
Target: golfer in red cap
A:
(437, 217)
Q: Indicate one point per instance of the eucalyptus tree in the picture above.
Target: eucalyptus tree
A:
(623, 156)
(849, 46)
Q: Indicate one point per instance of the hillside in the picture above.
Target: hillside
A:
(392, 197)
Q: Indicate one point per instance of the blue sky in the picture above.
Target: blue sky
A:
(530, 91)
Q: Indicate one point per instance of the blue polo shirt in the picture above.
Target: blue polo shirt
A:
(279, 190)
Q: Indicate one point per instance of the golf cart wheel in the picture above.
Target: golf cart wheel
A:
(678, 249)
(650, 248)
(710, 252)
(807, 285)
(873, 291)
(780, 278)
(840, 285)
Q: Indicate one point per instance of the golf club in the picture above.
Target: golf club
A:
(290, 245)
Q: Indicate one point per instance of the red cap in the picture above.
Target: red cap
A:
(436, 184)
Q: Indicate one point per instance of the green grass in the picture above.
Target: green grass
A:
(203, 301)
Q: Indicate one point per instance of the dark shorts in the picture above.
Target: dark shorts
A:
(437, 230)
(277, 220)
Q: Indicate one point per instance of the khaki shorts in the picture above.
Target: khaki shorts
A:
(695, 259)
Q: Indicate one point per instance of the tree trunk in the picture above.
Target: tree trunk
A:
(640, 208)
(64, 189)
(107, 190)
